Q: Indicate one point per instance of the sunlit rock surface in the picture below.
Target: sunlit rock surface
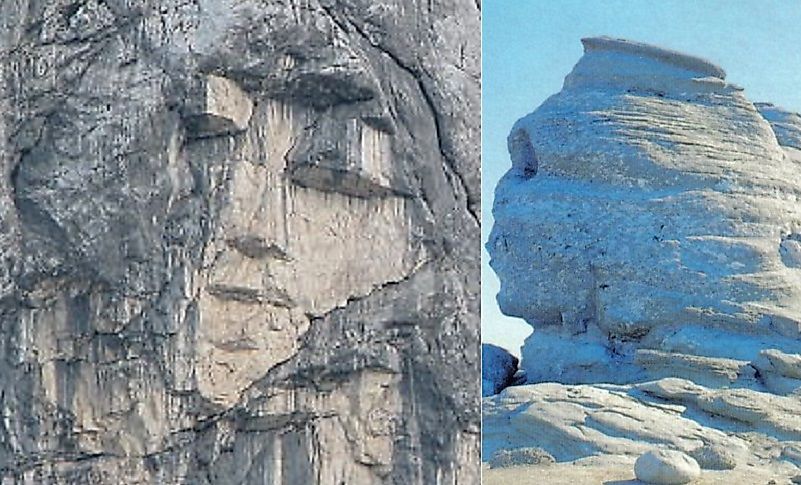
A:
(239, 242)
(649, 229)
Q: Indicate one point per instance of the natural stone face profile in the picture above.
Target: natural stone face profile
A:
(649, 204)
(648, 231)
(239, 241)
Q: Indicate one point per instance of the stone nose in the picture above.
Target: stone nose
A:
(346, 155)
(216, 106)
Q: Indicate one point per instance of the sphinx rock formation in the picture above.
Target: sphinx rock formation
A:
(650, 228)
(238, 241)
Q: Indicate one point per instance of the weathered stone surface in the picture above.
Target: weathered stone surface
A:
(666, 467)
(714, 457)
(519, 456)
(661, 202)
(780, 372)
(572, 422)
(778, 416)
(786, 124)
(238, 241)
(721, 428)
(217, 106)
(649, 231)
(498, 368)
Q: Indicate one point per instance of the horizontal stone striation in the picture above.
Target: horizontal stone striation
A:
(644, 197)
(648, 231)
(786, 125)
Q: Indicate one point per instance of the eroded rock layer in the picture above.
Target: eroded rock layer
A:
(649, 205)
(238, 242)
(649, 229)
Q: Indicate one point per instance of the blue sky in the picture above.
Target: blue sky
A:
(529, 46)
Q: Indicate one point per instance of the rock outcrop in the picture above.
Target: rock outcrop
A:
(649, 230)
(498, 368)
(239, 241)
(786, 125)
(519, 456)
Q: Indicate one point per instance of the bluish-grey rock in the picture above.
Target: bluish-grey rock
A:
(498, 368)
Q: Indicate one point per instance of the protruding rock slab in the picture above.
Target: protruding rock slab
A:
(348, 156)
(666, 467)
(780, 372)
(778, 416)
(786, 124)
(217, 107)
(698, 66)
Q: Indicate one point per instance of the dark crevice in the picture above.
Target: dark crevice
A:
(377, 289)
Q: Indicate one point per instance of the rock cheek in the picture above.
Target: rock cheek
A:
(664, 467)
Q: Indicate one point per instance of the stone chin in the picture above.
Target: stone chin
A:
(536, 308)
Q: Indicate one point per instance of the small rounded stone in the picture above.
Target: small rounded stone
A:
(666, 467)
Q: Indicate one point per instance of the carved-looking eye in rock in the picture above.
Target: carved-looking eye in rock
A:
(522, 153)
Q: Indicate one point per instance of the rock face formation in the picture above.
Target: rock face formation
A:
(650, 228)
(239, 241)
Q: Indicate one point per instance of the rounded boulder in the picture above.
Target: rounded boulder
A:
(666, 467)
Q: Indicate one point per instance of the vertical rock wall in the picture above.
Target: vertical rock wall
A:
(239, 241)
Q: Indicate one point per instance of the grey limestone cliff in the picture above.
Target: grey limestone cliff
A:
(239, 241)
